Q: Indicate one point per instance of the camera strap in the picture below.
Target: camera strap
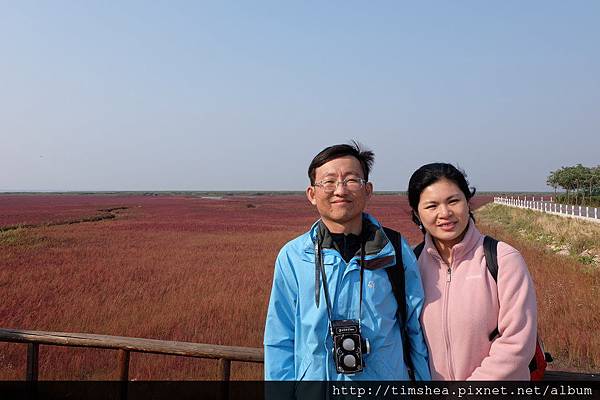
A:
(320, 272)
(362, 270)
(320, 269)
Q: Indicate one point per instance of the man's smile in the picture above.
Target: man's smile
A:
(341, 201)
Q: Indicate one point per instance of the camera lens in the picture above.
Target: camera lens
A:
(349, 361)
(348, 344)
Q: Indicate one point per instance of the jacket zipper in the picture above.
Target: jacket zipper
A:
(446, 322)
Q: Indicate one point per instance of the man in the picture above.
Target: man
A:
(319, 283)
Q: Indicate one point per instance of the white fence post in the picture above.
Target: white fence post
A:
(547, 206)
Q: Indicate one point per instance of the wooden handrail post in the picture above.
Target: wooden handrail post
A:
(224, 375)
(124, 365)
(32, 362)
(224, 369)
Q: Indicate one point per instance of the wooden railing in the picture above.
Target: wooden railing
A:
(126, 345)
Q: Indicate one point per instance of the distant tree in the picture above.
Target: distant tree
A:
(552, 180)
(577, 180)
(580, 176)
(565, 179)
(595, 180)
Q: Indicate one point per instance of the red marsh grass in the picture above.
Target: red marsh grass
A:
(167, 267)
(568, 291)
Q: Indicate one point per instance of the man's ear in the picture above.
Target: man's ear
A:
(311, 195)
(369, 189)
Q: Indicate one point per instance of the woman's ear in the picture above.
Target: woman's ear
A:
(417, 220)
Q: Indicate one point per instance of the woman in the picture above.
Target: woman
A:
(463, 303)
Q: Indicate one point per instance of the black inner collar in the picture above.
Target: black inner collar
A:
(347, 245)
(373, 237)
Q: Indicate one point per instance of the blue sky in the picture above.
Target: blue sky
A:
(241, 95)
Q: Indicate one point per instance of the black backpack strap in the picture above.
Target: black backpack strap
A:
(490, 249)
(396, 277)
(419, 249)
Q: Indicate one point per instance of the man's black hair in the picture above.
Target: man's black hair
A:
(429, 174)
(365, 157)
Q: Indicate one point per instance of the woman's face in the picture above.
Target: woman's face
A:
(444, 211)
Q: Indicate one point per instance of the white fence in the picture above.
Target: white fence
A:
(550, 207)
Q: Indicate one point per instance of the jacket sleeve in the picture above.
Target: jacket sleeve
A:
(279, 328)
(414, 305)
(511, 351)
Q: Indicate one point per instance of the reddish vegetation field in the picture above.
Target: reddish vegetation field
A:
(165, 267)
(176, 268)
(567, 300)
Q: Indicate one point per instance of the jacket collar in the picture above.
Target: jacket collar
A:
(460, 250)
(377, 244)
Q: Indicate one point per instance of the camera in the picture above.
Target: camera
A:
(348, 346)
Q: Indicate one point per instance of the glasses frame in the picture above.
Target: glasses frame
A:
(362, 182)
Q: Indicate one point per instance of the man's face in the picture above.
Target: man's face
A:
(340, 210)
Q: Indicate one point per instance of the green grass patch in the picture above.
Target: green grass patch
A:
(577, 239)
(20, 237)
(13, 237)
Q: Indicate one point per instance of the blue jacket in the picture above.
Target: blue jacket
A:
(298, 345)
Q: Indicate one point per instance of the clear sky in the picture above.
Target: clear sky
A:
(174, 95)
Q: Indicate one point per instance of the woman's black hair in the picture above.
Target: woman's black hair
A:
(429, 174)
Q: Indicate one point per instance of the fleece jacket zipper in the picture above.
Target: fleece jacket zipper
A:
(446, 324)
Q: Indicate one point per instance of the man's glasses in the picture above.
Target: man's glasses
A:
(329, 185)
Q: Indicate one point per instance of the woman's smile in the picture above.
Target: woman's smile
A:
(447, 226)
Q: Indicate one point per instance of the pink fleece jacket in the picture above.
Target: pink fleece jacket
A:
(463, 305)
